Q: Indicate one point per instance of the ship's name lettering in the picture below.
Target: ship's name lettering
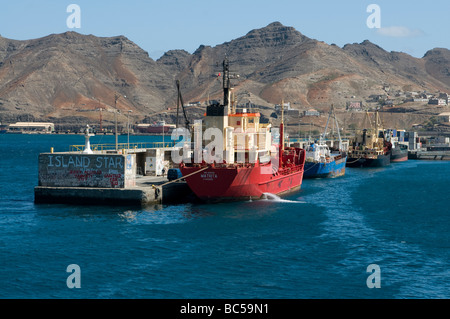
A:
(208, 176)
(85, 161)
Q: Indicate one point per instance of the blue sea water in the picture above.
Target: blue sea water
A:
(315, 243)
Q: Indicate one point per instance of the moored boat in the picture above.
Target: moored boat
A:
(399, 151)
(370, 147)
(157, 128)
(249, 165)
(321, 161)
(365, 158)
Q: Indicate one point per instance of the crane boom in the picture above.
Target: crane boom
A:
(180, 100)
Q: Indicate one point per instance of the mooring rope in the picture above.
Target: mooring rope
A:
(183, 177)
(354, 161)
(310, 167)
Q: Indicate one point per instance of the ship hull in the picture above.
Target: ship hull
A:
(159, 129)
(379, 161)
(239, 183)
(334, 168)
(399, 153)
(399, 158)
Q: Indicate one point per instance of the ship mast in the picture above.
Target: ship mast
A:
(281, 135)
(226, 84)
(332, 113)
(180, 100)
(377, 122)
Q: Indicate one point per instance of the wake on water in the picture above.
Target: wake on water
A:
(278, 199)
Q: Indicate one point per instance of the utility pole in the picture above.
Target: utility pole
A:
(100, 110)
(101, 128)
(116, 97)
(128, 127)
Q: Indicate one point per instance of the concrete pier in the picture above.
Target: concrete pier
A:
(95, 196)
(148, 190)
(108, 178)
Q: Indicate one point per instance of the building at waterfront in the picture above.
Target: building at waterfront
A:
(31, 127)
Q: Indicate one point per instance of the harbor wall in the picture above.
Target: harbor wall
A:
(87, 170)
(96, 196)
(429, 155)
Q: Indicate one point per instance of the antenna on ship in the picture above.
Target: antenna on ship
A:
(226, 83)
(227, 99)
(281, 135)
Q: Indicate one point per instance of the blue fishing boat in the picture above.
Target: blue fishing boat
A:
(321, 161)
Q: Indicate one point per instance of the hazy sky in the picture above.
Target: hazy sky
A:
(410, 26)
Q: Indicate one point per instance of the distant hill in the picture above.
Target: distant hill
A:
(67, 78)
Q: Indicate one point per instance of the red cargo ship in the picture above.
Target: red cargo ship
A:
(251, 166)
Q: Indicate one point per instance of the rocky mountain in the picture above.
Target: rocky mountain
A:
(67, 78)
(437, 64)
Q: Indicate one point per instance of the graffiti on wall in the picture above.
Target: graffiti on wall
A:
(76, 170)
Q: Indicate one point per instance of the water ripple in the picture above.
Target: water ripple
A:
(360, 243)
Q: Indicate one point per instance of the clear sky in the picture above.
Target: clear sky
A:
(410, 26)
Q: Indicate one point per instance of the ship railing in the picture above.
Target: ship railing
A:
(290, 170)
(371, 153)
(121, 146)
